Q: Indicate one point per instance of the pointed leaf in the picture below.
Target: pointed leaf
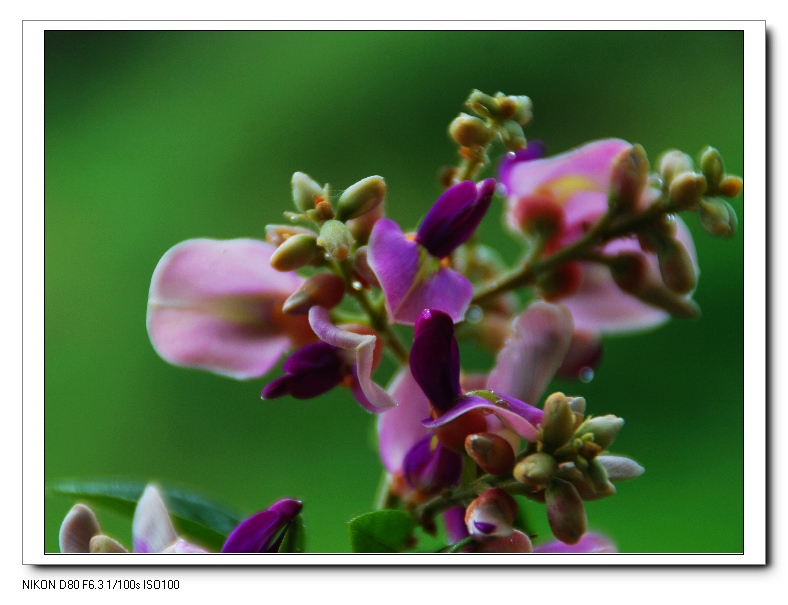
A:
(381, 531)
(295, 536)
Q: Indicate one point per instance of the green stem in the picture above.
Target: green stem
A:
(458, 546)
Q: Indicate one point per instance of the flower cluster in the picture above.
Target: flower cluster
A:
(605, 252)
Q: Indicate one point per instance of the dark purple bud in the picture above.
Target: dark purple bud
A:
(429, 467)
(260, 533)
(435, 358)
(454, 216)
(310, 371)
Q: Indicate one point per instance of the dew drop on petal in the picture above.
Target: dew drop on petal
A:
(500, 190)
(474, 314)
(586, 375)
(327, 256)
(356, 285)
(511, 155)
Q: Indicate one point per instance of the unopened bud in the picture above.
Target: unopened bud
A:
(686, 190)
(672, 163)
(306, 192)
(603, 428)
(558, 422)
(629, 270)
(491, 515)
(492, 453)
(512, 135)
(323, 211)
(537, 469)
(628, 178)
(596, 474)
(277, 234)
(620, 468)
(323, 290)
(469, 131)
(565, 512)
(539, 215)
(483, 104)
(676, 267)
(517, 108)
(518, 542)
(731, 186)
(718, 217)
(561, 282)
(336, 239)
(295, 252)
(712, 166)
(361, 197)
(659, 296)
(453, 434)
(102, 544)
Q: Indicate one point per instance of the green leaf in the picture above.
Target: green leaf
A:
(381, 531)
(197, 516)
(295, 536)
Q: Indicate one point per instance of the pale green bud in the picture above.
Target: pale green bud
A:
(336, 239)
(676, 267)
(468, 131)
(712, 166)
(628, 178)
(686, 190)
(603, 428)
(718, 217)
(102, 544)
(483, 104)
(536, 469)
(512, 135)
(596, 475)
(672, 163)
(361, 197)
(558, 422)
(620, 468)
(295, 252)
(306, 192)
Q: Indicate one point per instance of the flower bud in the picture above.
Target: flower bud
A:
(558, 422)
(491, 452)
(483, 104)
(306, 192)
(491, 515)
(596, 474)
(323, 211)
(672, 163)
(628, 178)
(517, 108)
(731, 186)
(537, 469)
(102, 544)
(686, 190)
(336, 239)
(323, 290)
(561, 282)
(676, 267)
(469, 131)
(712, 166)
(620, 468)
(518, 542)
(659, 296)
(512, 135)
(539, 216)
(453, 434)
(361, 197)
(629, 270)
(718, 217)
(277, 234)
(295, 252)
(603, 428)
(565, 512)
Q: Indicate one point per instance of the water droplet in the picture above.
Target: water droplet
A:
(511, 155)
(356, 285)
(327, 256)
(474, 314)
(500, 189)
(586, 375)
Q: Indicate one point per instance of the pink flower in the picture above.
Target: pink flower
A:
(573, 189)
(217, 306)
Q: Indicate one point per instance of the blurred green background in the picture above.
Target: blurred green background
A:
(157, 137)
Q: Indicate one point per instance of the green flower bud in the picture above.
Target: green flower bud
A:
(628, 178)
(672, 163)
(295, 252)
(676, 267)
(306, 192)
(102, 544)
(712, 166)
(512, 135)
(603, 428)
(537, 469)
(469, 131)
(686, 190)
(483, 104)
(565, 511)
(718, 217)
(336, 239)
(596, 475)
(361, 197)
(558, 423)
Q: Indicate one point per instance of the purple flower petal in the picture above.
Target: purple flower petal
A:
(400, 428)
(589, 543)
(532, 354)
(455, 216)
(429, 467)
(258, 533)
(435, 358)
(534, 151)
(151, 529)
(216, 305)
(364, 348)
(411, 279)
(310, 371)
(516, 415)
(454, 520)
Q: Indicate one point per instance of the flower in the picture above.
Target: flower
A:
(570, 191)
(345, 355)
(152, 530)
(590, 543)
(217, 306)
(412, 273)
(263, 532)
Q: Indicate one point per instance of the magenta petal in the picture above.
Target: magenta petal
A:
(435, 358)
(400, 428)
(310, 371)
(534, 151)
(454, 520)
(532, 354)
(590, 543)
(364, 348)
(211, 306)
(258, 533)
(516, 415)
(429, 469)
(410, 287)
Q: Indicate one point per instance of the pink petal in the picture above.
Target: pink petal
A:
(151, 529)
(400, 428)
(532, 354)
(216, 305)
(590, 543)
(364, 347)
(410, 286)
